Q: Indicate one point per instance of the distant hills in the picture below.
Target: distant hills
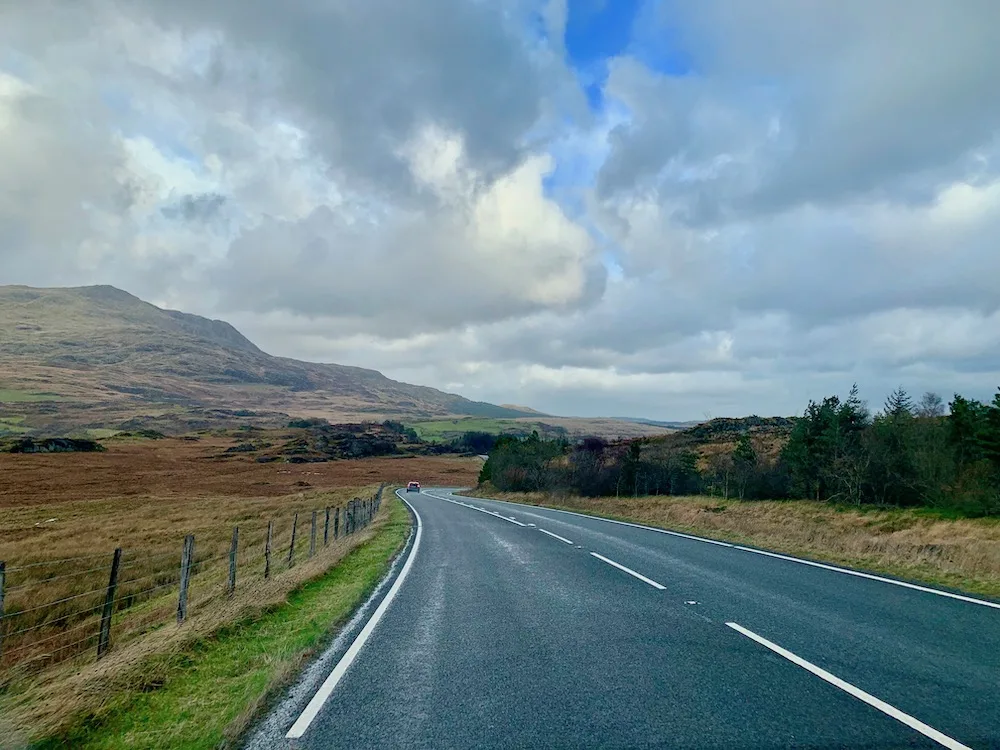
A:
(97, 359)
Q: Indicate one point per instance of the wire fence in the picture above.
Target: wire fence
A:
(51, 612)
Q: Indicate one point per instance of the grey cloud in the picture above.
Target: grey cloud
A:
(865, 98)
(201, 207)
(328, 266)
(778, 216)
(363, 76)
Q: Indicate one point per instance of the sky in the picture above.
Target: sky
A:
(646, 208)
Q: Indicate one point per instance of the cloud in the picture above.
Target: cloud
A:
(811, 198)
(490, 251)
(195, 207)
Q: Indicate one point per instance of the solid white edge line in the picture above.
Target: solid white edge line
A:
(326, 689)
(555, 536)
(871, 576)
(858, 693)
(631, 572)
(800, 561)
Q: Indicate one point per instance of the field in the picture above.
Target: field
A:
(443, 430)
(912, 544)
(8, 396)
(62, 515)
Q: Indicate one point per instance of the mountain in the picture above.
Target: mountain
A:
(98, 357)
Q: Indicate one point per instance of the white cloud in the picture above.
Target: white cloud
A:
(418, 187)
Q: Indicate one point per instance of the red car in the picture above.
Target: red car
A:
(413, 487)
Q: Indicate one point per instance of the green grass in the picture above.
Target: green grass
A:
(446, 429)
(442, 430)
(99, 433)
(8, 396)
(12, 424)
(202, 696)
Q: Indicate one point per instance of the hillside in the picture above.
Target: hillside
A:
(98, 357)
(720, 435)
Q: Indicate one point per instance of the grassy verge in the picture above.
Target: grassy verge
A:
(204, 693)
(963, 554)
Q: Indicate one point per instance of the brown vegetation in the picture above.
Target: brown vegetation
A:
(39, 700)
(961, 553)
(62, 515)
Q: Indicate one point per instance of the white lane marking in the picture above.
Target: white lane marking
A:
(556, 536)
(871, 700)
(631, 572)
(833, 568)
(316, 704)
(481, 510)
(871, 577)
(610, 520)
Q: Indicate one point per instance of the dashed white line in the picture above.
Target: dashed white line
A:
(871, 700)
(481, 510)
(800, 561)
(556, 536)
(631, 572)
(326, 689)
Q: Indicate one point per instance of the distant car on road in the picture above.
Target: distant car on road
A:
(413, 487)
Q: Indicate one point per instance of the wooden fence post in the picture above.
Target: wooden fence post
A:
(104, 638)
(232, 559)
(336, 522)
(312, 536)
(187, 559)
(267, 550)
(291, 547)
(3, 579)
(326, 527)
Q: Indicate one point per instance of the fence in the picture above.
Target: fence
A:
(93, 601)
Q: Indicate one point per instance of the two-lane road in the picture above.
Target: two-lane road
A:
(515, 626)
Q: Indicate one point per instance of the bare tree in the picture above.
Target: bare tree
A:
(931, 405)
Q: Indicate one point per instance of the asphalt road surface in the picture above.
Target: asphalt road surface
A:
(514, 626)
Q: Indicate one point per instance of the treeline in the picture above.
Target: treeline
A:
(906, 454)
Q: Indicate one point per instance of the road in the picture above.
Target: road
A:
(515, 626)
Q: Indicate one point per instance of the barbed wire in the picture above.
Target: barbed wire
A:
(19, 613)
(27, 646)
(250, 553)
(58, 561)
(51, 623)
(53, 637)
(44, 581)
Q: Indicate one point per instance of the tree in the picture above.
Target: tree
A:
(826, 446)
(967, 426)
(899, 404)
(587, 467)
(990, 434)
(720, 469)
(744, 464)
(931, 406)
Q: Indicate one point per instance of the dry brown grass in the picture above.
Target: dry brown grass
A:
(964, 554)
(61, 517)
(43, 704)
